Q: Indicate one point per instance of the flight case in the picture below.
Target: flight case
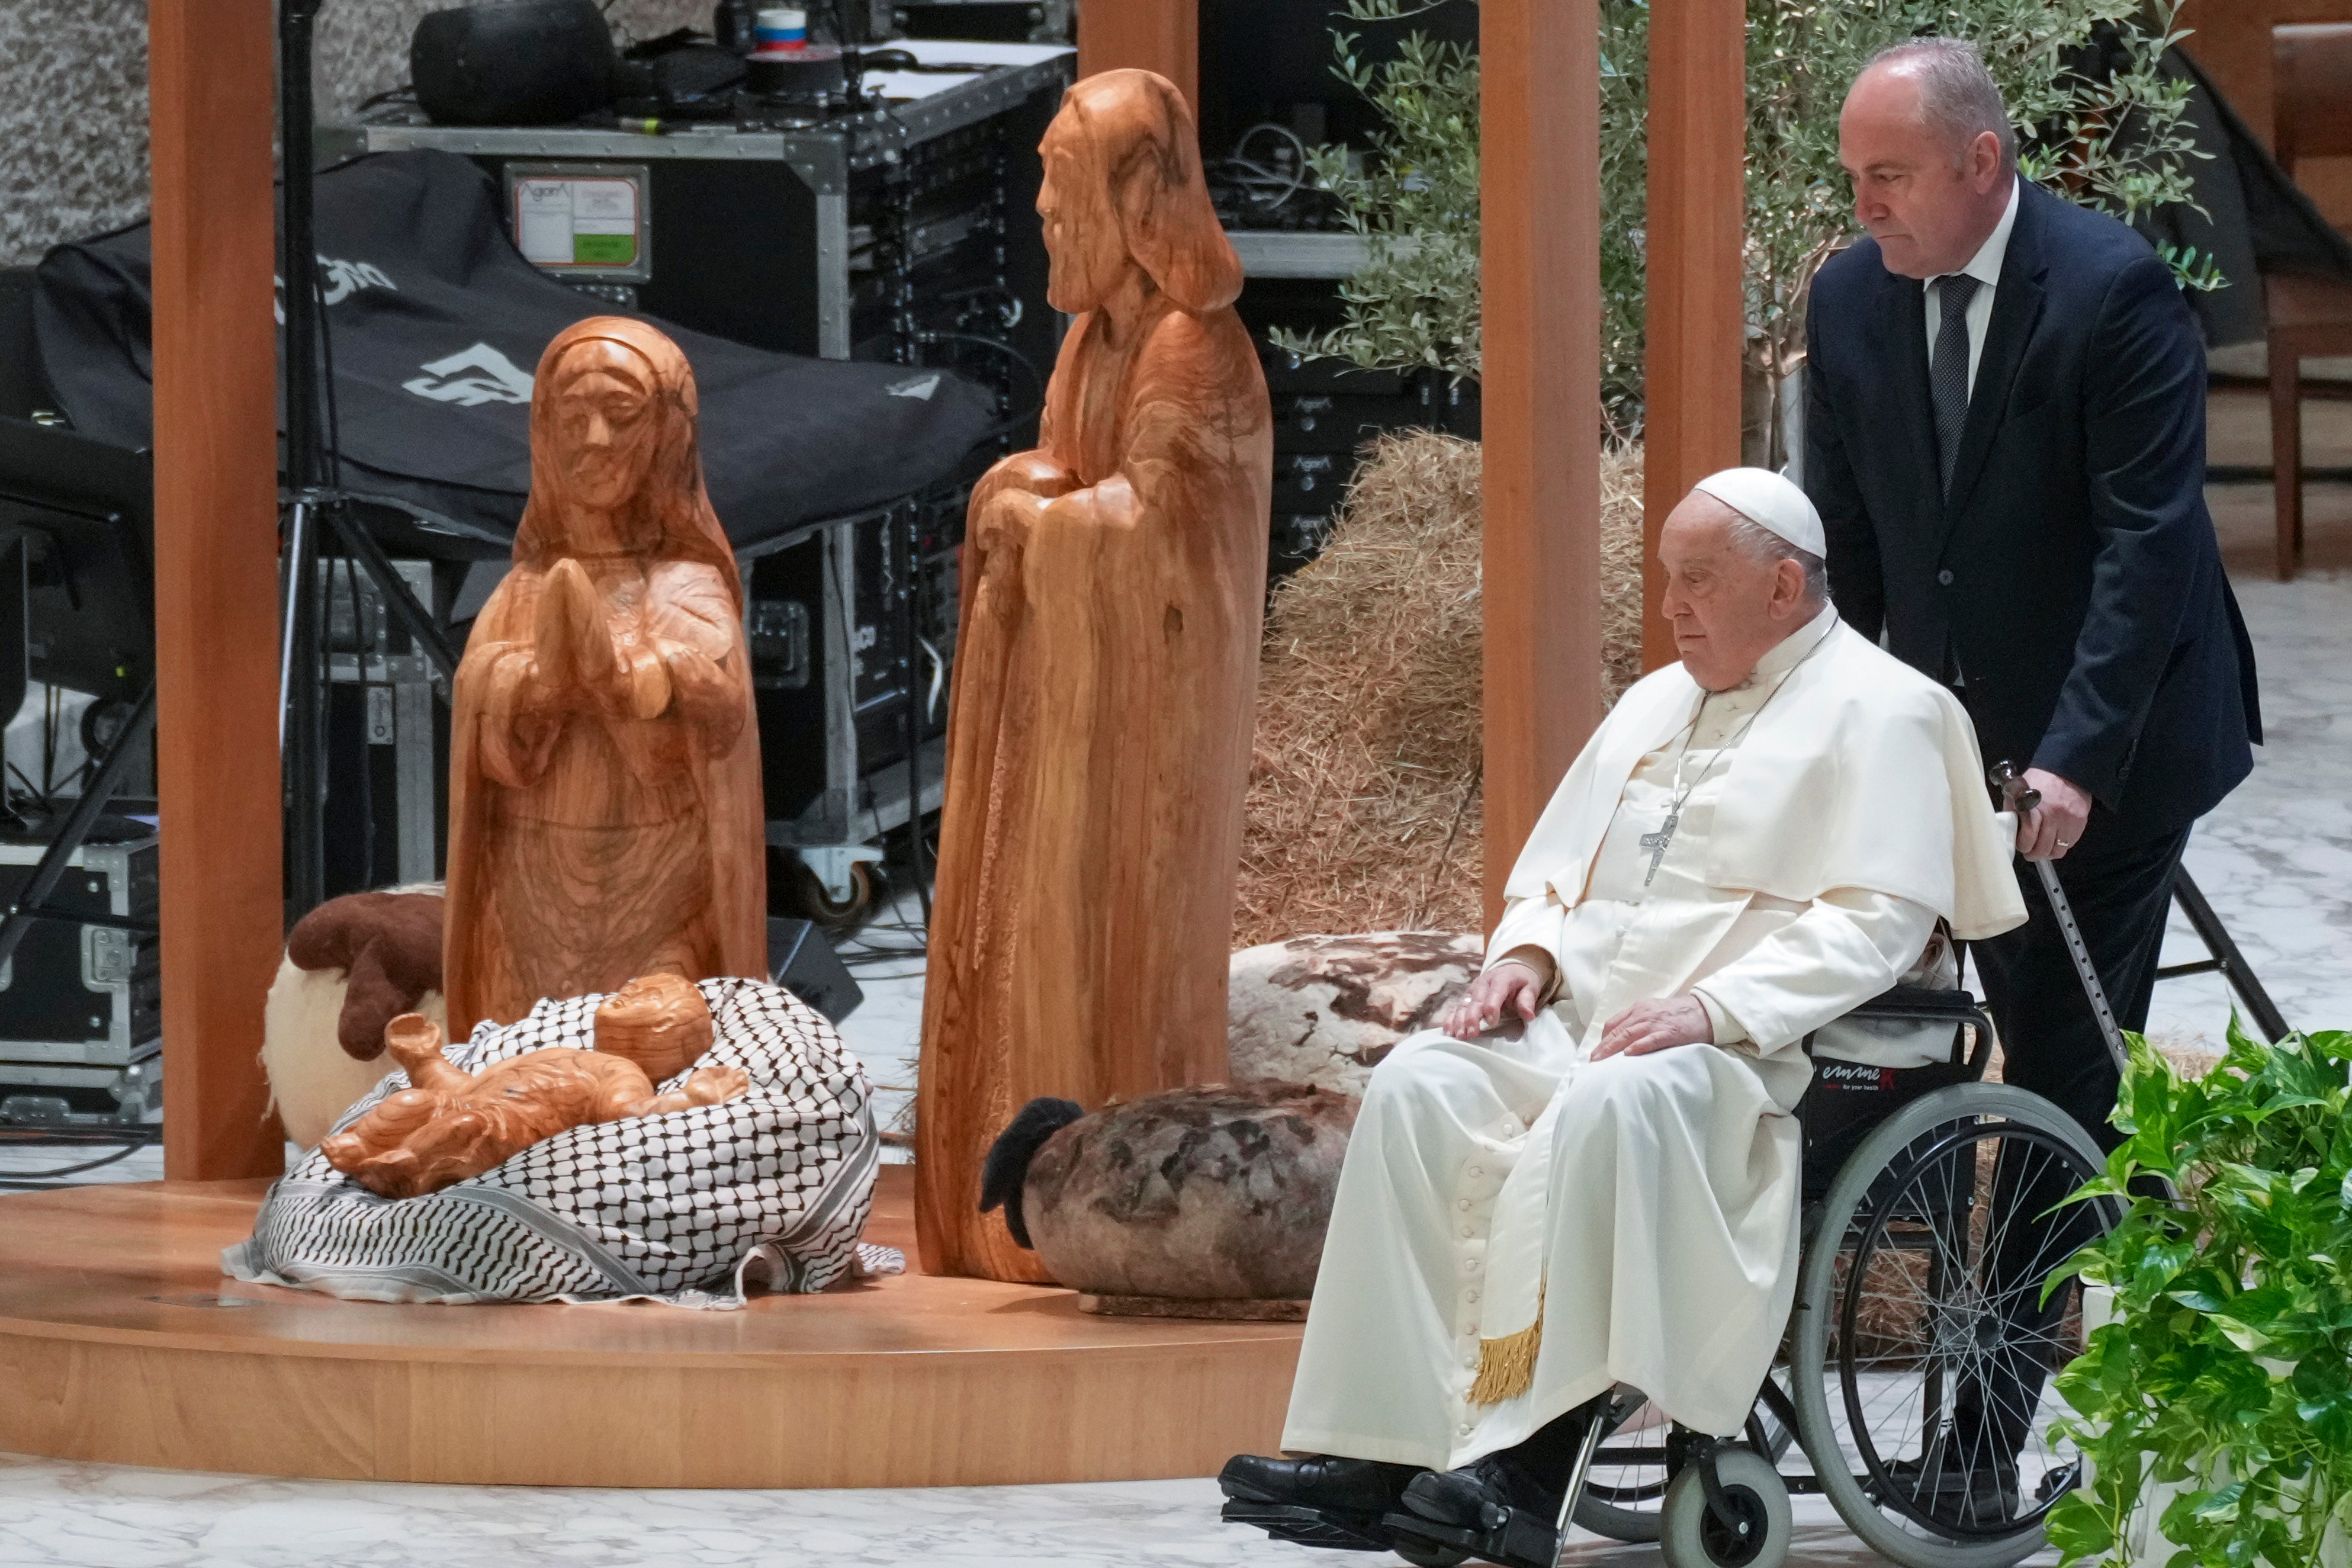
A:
(81, 1002)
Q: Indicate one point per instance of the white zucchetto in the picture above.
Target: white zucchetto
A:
(1769, 501)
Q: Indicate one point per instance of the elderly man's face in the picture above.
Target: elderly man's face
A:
(1729, 608)
(1928, 201)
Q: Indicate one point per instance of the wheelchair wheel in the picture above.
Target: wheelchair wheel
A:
(1429, 1554)
(1692, 1536)
(1624, 1495)
(1625, 1490)
(1923, 1355)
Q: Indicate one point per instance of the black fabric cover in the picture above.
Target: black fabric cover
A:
(2256, 220)
(438, 323)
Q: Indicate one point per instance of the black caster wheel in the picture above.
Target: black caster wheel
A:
(1690, 1535)
(807, 897)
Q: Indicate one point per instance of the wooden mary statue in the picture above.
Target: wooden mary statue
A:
(1105, 676)
(605, 808)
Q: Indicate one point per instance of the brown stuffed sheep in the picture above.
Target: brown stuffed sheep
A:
(1212, 1196)
(351, 966)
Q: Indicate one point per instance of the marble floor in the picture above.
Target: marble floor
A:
(57, 1515)
(887, 957)
(2275, 860)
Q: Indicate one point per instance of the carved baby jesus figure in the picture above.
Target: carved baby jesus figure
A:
(450, 1125)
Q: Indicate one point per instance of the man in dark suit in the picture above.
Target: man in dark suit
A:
(2005, 435)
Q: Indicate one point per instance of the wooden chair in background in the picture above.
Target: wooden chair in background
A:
(2307, 317)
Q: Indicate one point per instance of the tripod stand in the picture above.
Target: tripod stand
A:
(314, 506)
(2222, 958)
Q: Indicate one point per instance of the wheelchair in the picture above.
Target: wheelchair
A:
(1920, 1352)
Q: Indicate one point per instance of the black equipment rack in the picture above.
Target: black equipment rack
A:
(905, 234)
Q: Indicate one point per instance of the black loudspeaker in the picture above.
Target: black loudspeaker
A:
(527, 62)
(801, 962)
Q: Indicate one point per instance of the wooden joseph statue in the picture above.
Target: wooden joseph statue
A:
(1105, 676)
(450, 1125)
(604, 811)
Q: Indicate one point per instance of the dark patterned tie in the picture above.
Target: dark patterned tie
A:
(1947, 369)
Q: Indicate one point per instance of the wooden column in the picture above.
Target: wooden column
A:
(1694, 326)
(1162, 36)
(2231, 40)
(211, 81)
(1539, 196)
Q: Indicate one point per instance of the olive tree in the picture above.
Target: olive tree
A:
(2100, 122)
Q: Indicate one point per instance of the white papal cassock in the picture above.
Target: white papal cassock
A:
(1562, 1225)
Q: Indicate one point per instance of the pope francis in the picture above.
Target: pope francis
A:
(1590, 1176)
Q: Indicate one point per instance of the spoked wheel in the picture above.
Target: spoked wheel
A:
(1624, 1495)
(1625, 1490)
(1924, 1353)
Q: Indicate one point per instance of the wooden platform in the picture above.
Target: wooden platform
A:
(121, 1341)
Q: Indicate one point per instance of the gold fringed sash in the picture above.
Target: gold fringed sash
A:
(1506, 1367)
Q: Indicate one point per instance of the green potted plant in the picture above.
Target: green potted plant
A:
(2215, 1402)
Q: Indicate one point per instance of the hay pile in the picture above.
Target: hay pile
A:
(1364, 810)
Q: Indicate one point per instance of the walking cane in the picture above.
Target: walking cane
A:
(2020, 798)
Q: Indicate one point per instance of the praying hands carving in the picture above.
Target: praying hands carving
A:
(450, 1125)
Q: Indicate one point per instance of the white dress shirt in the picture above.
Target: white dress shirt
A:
(1985, 268)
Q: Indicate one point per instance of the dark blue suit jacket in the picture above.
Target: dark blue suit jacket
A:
(2071, 576)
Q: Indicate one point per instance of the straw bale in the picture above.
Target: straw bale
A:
(2192, 1055)
(1364, 808)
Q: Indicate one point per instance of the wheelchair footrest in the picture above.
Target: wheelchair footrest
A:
(1327, 1528)
(1517, 1540)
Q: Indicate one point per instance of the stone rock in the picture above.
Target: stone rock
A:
(1325, 1009)
(1215, 1192)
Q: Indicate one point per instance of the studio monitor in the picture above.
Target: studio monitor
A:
(804, 962)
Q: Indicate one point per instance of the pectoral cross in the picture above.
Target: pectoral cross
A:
(1655, 843)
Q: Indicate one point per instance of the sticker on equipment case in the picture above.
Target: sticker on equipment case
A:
(580, 220)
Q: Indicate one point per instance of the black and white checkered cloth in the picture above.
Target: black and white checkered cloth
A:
(677, 1207)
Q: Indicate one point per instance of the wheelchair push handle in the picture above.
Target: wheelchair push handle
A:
(2020, 798)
